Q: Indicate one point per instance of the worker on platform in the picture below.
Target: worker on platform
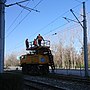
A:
(35, 42)
(27, 43)
(39, 38)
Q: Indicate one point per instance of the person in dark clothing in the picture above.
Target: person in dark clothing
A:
(27, 44)
(39, 38)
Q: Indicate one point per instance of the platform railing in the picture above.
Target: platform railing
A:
(43, 43)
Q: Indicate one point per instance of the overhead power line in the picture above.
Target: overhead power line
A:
(44, 26)
(21, 43)
(55, 28)
(16, 17)
(23, 19)
(52, 21)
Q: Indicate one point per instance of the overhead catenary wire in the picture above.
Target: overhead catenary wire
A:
(21, 44)
(47, 25)
(51, 23)
(16, 18)
(22, 19)
(44, 26)
(55, 28)
(60, 16)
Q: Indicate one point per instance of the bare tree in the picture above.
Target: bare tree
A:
(11, 60)
(89, 55)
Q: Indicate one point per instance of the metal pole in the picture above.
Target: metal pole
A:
(85, 41)
(2, 33)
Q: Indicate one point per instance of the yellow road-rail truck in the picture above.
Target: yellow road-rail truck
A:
(38, 60)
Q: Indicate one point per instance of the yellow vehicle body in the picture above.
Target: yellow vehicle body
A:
(34, 59)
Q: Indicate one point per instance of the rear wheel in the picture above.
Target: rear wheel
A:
(44, 69)
(24, 69)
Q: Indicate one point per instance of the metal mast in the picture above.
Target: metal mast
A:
(2, 33)
(85, 47)
(85, 41)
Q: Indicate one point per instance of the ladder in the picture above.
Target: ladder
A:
(51, 61)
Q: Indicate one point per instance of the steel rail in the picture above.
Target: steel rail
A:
(40, 85)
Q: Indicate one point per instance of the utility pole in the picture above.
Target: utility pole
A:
(85, 41)
(2, 33)
(84, 26)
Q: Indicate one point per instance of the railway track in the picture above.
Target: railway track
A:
(30, 84)
(55, 83)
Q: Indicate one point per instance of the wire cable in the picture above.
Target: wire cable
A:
(53, 21)
(21, 44)
(22, 20)
(16, 18)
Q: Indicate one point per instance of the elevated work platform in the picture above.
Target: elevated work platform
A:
(44, 44)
